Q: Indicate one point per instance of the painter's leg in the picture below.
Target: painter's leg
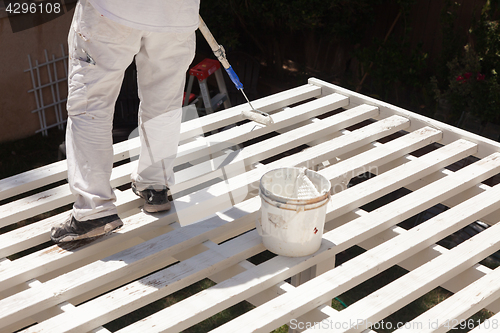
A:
(162, 63)
(100, 50)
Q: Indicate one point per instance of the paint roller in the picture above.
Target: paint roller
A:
(253, 114)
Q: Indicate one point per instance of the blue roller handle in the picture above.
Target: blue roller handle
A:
(234, 78)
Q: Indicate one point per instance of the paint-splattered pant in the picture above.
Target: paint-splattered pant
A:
(100, 50)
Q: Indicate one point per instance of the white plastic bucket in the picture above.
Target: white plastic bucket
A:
(290, 226)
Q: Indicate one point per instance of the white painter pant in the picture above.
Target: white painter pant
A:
(99, 52)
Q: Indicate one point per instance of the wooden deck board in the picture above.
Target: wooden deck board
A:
(43, 259)
(208, 234)
(57, 171)
(313, 293)
(54, 198)
(421, 280)
(463, 304)
(357, 138)
(232, 298)
(488, 326)
(243, 282)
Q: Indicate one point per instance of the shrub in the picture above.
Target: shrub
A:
(473, 84)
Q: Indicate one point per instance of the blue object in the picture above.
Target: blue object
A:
(234, 78)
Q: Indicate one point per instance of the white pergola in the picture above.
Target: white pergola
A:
(210, 233)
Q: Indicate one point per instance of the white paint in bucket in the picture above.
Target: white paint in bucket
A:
(289, 225)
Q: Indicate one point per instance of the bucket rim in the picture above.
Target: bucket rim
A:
(285, 205)
(294, 201)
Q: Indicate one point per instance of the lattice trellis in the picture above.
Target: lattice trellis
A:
(53, 81)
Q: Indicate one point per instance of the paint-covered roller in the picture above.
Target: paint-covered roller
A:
(253, 114)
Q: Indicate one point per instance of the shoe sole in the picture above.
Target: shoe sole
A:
(105, 229)
(157, 208)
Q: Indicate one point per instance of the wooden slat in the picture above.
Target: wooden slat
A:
(217, 196)
(360, 137)
(479, 188)
(267, 148)
(407, 143)
(416, 283)
(44, 315)
(232, 115)
(460, 306)
(57, 171)
(35, 204)
(420, 258)
(362, 134)
(312, 293)
(225, 139)
(395, 178)
(53, 198)
(32, 179)
(247, 285)
(156, 322)
(488, 326)
(454, 285)
(450, 133)
(318, 315)
(154, 285)
(240, 287)
(44, 261)
(34, 234)
(60, 196)
(403, 203)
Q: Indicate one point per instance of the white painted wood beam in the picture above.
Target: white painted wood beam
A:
(450, 133)
(57, 171)
(363, 134)
(239, 286)
(419, 137)
(332, 283)
(60, 196)
(455, 310)
(490, 326)
(397, 294)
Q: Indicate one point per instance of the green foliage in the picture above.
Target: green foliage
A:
(275, 27)
(469, 89)
(472, 83)
(394, 62)
(487, 33)
(219, 19)
(452, 42)
(342, 18)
